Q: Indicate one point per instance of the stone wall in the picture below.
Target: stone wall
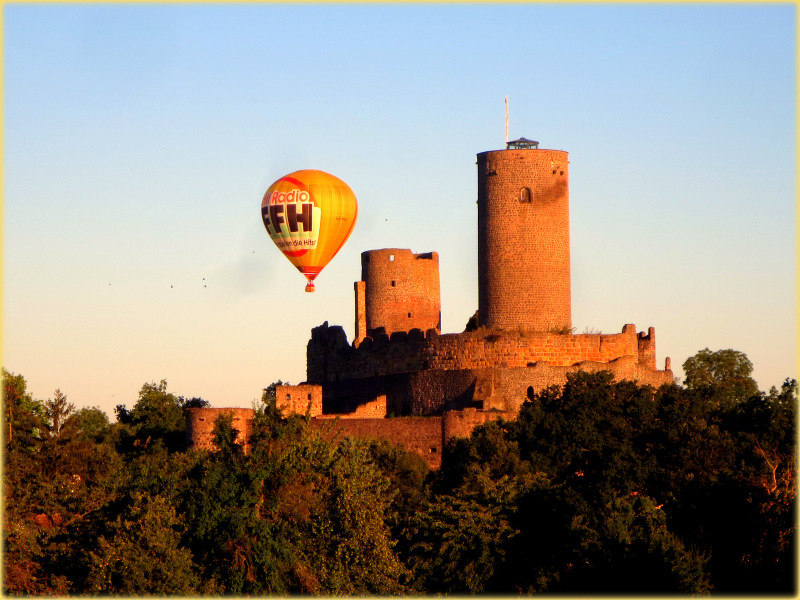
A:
(523, 240)
(200, 426)
(460, 423)
(421, 435)
(407, 394)
(507, 388)
(370, 409)
(330, 358)
(455, 401)
(501, 388)
(299, 399)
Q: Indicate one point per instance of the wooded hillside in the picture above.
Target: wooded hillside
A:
(599, 487)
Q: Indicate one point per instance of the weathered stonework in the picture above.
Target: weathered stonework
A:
(403, 380)
(398, 292)
(523, 240)
(200, 426)
(330, 358)
(425, 436)
(299, 399)
(427, 375)
(421, 435)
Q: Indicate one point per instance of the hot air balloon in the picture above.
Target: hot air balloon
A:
(309, 214)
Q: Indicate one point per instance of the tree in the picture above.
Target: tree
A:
(458, 544)
(53, 480)
(575, 543)
(58, 412)
(25, 544)
(194, 402)
(91, 423)
(24, 415)
(142, 554)
(242, 528)
(347, 533)
(296, 514)
(407, 473)
(155, 422)
(758, 555)
(566, 496)
(725, 372)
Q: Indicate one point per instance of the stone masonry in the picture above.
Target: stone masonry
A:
(200, 426)
(398, 291)
(523, 240)
(402, 380)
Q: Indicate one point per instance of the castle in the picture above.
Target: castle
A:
(403, 380)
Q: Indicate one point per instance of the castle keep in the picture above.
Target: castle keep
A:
(402, 379)
(523, 239)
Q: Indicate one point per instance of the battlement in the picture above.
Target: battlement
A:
(331, 358)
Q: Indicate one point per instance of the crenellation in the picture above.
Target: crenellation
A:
(403, 352)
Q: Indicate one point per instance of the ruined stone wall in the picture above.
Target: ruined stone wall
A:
(401, 290)
(422, 435)
(523, 240)
(502, 388)
(450, 395)
(516, 348)
(407, 394)
(460, 423)
(507, 388)
(372, 409)
(299, 399)
(200, 426)
(647, 348)
(331, 359)
(360, 288)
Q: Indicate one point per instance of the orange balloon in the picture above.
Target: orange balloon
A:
(309, 215)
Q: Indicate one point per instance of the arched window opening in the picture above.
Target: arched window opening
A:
(525, 195)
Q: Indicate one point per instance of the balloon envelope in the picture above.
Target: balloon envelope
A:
(309, 214)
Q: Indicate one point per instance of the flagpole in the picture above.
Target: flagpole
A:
(506, 120)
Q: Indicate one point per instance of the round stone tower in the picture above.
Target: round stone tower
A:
(398, 291)
(523, 238)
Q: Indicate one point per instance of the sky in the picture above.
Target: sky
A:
(138, 141)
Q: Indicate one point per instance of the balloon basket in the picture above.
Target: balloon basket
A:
(310, 287)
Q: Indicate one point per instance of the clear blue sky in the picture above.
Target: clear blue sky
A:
(139, 140)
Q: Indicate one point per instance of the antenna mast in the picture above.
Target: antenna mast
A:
(506, 119)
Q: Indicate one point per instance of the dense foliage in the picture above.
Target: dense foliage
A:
(597, 487)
